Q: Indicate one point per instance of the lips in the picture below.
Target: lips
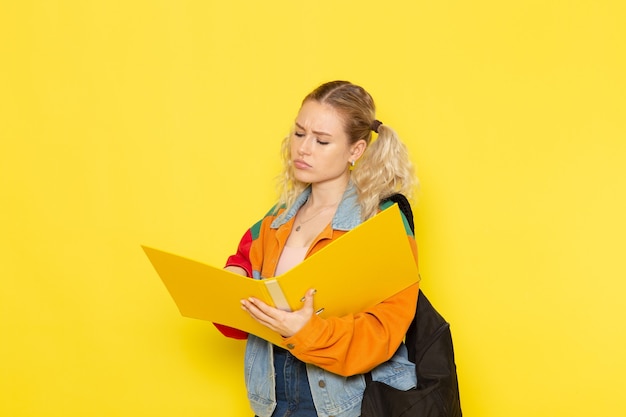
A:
(300, 164)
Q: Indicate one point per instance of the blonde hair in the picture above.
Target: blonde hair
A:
(384, 168)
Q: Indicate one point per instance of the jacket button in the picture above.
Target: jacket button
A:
(290, 346)
(322, 384)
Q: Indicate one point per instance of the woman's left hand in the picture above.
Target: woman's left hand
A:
(285, 323)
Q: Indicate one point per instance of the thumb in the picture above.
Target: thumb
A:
(308, 300)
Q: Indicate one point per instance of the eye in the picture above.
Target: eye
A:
(299, 134)
(321, 142)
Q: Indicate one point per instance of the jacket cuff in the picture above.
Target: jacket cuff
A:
(300, 342)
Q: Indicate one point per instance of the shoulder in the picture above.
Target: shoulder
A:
(405, 210)
(266, 221)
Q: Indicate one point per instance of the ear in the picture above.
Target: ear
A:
(357, 149)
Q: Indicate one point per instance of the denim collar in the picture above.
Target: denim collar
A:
(347, 216)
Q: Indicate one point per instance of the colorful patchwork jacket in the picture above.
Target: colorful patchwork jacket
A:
(337, 350)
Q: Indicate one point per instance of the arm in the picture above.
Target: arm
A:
(348, 345)
(356, 343)
(239, 263)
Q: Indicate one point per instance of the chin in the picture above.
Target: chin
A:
(304, 178)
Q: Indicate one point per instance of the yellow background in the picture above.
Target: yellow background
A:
(159, 122)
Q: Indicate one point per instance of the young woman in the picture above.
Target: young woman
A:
(334, 178)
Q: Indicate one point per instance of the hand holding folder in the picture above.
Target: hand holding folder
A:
(358, 270)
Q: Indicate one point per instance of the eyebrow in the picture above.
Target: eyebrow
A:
(298, 125)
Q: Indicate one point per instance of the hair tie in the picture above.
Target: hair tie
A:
(375, 125)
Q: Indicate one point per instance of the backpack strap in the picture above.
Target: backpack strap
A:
(405, 207)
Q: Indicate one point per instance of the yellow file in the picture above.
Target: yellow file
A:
(358, 270)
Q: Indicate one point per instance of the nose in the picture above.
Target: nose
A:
(304, 148)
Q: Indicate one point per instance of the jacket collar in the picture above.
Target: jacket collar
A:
(347, 216)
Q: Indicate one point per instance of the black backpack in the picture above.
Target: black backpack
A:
(429, 344)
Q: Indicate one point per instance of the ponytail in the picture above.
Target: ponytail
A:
(384, 169)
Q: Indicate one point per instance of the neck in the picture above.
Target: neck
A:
(323, 195)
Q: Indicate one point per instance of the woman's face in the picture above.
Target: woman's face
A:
(320, 150)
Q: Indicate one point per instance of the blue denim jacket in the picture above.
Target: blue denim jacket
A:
(333, 395)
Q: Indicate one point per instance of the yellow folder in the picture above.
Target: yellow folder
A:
(356, 271)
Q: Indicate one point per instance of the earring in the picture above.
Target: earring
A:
(352, 164)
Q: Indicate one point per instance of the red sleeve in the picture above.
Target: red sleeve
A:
(231, 332)
(241, 259)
